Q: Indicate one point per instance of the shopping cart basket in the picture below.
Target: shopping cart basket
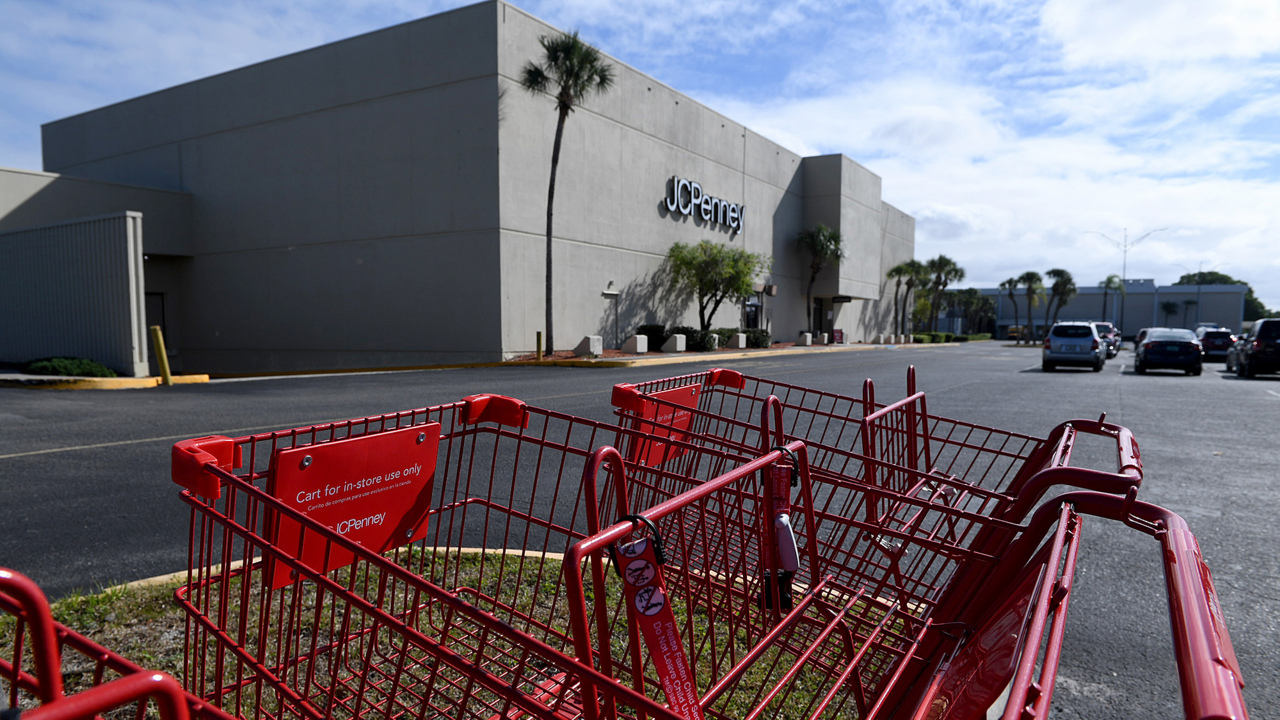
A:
(46, 657)
(471, 619)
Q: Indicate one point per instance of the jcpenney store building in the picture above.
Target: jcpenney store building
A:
(380, 202)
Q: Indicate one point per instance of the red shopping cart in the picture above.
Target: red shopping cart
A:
(46, 657)
(304, 601)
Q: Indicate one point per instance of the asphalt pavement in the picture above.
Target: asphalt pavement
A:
(85, 478)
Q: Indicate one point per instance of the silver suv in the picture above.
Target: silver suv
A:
(1073, 343)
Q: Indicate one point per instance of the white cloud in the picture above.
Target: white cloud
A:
(1103, 32)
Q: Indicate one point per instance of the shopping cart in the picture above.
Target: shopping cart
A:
(47, 657)
(464, 608)
(1003, 473)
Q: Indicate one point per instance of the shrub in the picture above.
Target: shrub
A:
(758, 338)
(695, 340)
(962, 338)
(979, 336)
(725, 335)
(925, 338)
(657, 334)
(80, 367)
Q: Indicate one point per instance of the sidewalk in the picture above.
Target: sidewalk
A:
(49, 382)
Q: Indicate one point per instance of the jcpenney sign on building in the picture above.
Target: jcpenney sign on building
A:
(686, 198)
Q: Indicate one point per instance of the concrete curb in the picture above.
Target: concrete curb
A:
(47, 382)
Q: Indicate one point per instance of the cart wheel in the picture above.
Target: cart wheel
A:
(1047, 367)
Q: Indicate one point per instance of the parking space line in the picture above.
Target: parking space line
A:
(1029, 367)
(1273, 392)
(164, 438)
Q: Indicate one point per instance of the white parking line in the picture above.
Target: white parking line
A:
(1122, 366)
(1029, 367)
(1273, 392)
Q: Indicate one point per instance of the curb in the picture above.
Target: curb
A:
(86, 383)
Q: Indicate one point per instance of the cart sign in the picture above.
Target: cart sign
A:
(373, 489)
(664, 422)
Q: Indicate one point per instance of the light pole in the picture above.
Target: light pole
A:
(1199, 280)
(1124, 246)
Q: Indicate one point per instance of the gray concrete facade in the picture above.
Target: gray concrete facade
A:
(380, 202)
(1143, 304)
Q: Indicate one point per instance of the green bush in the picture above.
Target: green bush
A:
(695, 340)
(657, 334)
(725, 335)
(76, 367)
(925, 338)
(979, 336)
(758, 338)
(962, 338)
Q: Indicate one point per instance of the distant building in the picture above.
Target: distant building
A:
(1143, 304)
(381, 202)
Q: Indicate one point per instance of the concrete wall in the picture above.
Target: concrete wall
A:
(75, 290)
(31, 199)
(345, 198)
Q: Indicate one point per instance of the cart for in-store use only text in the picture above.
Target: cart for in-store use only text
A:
(54, 673)
(490, 559)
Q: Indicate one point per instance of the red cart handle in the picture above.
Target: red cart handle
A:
(168, 695)
(1207, 666)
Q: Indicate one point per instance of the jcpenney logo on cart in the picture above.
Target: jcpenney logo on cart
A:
(686, 197)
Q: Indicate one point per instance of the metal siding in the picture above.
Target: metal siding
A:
(75, 289)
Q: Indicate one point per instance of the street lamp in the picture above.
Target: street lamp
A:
(1124, 262)
(1199, 278)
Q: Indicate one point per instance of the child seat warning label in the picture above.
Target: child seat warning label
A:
(373, 489)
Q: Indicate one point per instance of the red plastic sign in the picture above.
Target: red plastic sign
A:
(373, 489)
(665, 421)
(649, 605)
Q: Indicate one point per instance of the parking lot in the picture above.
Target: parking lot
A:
(85, 478)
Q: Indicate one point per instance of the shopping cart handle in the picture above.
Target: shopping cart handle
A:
(160, 687)
(725, 378)
(191, 458)
(1207, 666)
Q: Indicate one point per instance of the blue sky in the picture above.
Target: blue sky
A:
(1012, 131)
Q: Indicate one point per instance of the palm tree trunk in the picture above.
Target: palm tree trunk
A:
(551, 198)
(1047, 307)
(897, 293)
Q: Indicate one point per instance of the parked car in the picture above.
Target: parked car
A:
(1216, 341)
(1110, 335)
(1170, 349)
(1260, 350)
(1073, 343)
(1233, 353)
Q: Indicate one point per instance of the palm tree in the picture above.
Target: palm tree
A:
(1035, 290)
(1113, 282)
(944, 271)
(572, 70)
(903, 273)
(1060, 292)
(1010, 286)
(1168, 307)
(824, 246)
(1186, 307)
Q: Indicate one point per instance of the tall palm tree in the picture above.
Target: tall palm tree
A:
(571, 70)
(1035, 290)
(1010, 286)
(1113, 282)
(1060, 292)
(904, 273)
(1168, 307)
(944, 271)
(824, 246)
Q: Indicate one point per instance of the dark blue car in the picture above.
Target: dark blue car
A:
(1170, 349)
